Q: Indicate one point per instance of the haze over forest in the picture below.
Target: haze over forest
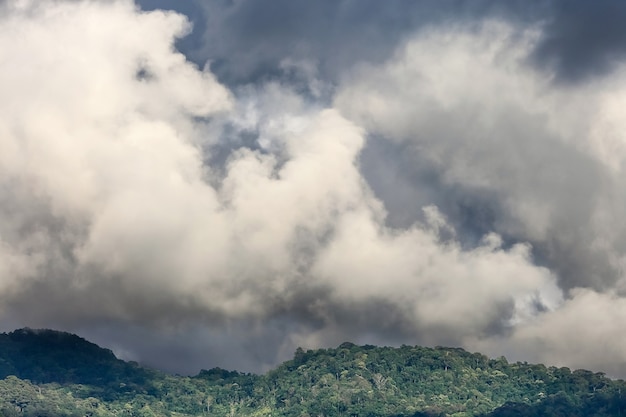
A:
(215, 183)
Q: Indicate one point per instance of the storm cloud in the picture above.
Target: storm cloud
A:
(219, 193)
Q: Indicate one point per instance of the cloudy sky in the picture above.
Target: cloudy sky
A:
(215, 183)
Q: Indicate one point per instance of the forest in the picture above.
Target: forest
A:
(46, 373)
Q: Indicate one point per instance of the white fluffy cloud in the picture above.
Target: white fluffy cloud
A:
(99, 164)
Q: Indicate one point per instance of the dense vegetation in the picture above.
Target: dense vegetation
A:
(48, 373)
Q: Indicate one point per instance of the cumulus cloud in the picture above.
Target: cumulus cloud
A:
(100, 120)
(118, 210)
(147, 205)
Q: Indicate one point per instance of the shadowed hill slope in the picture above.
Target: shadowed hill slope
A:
(44, 356)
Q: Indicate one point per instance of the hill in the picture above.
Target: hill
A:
(44, 356)
(48, 373)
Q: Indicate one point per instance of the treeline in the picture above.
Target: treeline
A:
(347, 381)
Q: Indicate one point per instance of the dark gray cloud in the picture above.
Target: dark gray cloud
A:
(249, 40)
(582, 39)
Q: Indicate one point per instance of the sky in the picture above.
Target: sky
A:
(216, 183)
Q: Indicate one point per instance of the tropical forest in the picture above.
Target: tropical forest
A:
(47, 373)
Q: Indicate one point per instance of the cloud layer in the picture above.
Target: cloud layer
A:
(447, 191)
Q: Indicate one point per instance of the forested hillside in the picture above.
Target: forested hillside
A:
(48, 373)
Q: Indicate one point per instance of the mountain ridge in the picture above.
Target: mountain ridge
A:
(61, 374)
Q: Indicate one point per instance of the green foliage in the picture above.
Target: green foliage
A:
(43, 356)
(56, 374)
